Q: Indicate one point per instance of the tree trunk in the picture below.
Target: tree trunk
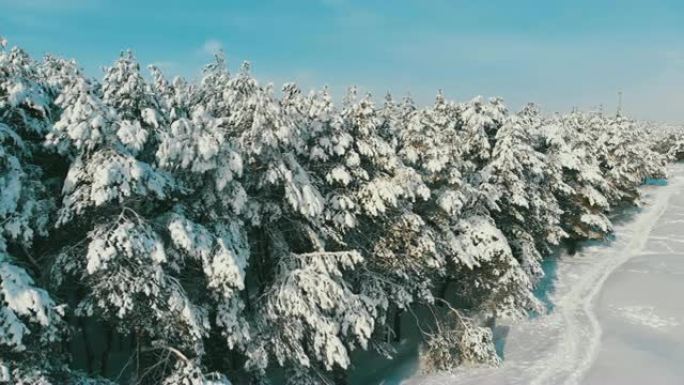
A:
(136, 346)
(106, 352)
(396, 325)
(339, 376)
(86, 344)
(443, 293)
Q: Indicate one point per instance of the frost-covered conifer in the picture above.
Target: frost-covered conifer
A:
(282, 216)
(125, 90)
(31, 320)
(429, 142)
(627, 159)
(127, 273)
(490, 278)
(480, 121)
(515, 178)
(545, 213)
(370, 190)
(205, 229)
(667, 140)
(581, 190)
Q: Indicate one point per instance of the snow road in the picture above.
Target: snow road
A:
(618, 312)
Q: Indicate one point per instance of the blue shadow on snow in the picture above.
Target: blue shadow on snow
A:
(655, 182)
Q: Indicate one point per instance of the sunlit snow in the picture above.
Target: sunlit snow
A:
(617, 318)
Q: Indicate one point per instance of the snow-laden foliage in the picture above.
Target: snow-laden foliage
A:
(25, 306)
(579, 183)
(668, 139)
(628, 159)
(31, 320)
(158, 231)
(187, 372)
(311, 316)
(499, 288)
(515, 178)
(457, 340)
(85, 121)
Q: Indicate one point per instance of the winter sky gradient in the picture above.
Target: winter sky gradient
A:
(580, 52)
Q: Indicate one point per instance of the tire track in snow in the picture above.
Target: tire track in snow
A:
(559, 348)
(578, 344)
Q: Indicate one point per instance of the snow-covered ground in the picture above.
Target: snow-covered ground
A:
(618, 315)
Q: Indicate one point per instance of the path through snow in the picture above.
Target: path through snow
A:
(617, 309)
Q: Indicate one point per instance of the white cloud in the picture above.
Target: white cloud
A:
(212, 47)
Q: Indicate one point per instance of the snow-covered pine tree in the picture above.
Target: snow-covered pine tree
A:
(393, 118)
(581, 190)
(545, 210)
(33, 326)
(369, 193)
(205, 229)
(478, 252)
(430, 143)
(138, 107)
(665, 139)
(31, 321)
(514, 177)
(114, 204)
(479, 123)
(287, 249)
(627, 159)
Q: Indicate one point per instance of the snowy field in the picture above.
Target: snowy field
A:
(618, 316)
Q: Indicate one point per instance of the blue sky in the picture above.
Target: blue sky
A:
(558, 53)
